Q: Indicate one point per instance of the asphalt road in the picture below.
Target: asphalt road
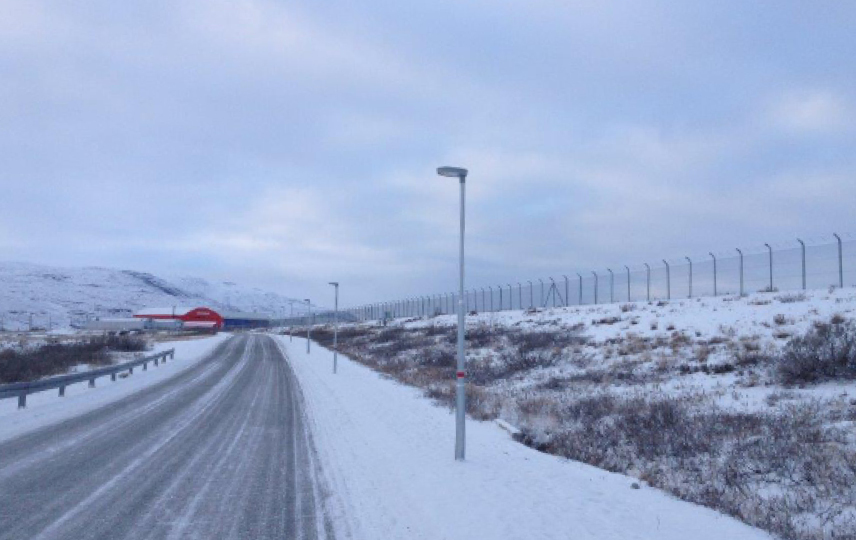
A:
(220, 451)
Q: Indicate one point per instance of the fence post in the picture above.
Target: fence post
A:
(628, 282)
(691, 276)
(802, 246)
(668, 281)
(771, 266)
(611, 286)
(520, 295)
(595, 287)
(567, 292)
(714, 272)
(531, 296)
(555, 290)
(840, 261)
(741, 270)
(491, 297)
(510, 299)
(581, 289)
(648, 280)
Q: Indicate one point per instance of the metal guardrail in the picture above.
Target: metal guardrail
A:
(22, 389)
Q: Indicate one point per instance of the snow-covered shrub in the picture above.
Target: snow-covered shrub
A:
(825, 352)
(57, 358)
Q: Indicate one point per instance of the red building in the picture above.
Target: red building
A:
(191, 316)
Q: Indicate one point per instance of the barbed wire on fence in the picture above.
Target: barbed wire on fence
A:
(798, 264)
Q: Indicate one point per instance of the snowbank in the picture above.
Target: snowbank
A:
(387, 454)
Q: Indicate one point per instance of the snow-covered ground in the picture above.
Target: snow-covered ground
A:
(679, 393)
(660, 335)
(388, 456)
(44, 408)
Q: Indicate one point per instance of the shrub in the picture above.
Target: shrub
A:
(791, 298)
(57, 358)
(825, 352)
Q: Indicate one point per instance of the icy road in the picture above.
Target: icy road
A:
(221, 450)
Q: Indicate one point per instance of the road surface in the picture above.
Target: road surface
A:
(221, 451)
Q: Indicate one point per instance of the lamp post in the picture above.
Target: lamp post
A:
(308, 323)
(335, 284)
(291, 321)
(461, 375)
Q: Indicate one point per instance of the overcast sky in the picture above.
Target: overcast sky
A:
(288, 143)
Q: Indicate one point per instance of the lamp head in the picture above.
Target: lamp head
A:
(452, 172)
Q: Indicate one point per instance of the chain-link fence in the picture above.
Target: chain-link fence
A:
(805, 263)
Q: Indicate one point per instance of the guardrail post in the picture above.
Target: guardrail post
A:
(130, 371)
(172, 354)
(92, 383)
(22, 400)
(62, 391)
(113, 376)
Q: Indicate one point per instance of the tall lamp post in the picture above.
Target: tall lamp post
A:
(335, 284)
(461, 375)
(291, 321)
(308, 323)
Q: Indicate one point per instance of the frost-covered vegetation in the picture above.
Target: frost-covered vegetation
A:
(746, 405)
(29, 364)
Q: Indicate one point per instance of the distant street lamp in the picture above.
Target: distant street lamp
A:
(335, 326)
(308, 323)
(461, 375)
(291, 321)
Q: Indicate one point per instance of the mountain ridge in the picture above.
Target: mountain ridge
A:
(59, 296)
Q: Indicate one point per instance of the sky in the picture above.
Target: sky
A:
(289, 144)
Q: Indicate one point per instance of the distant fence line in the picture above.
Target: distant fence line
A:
(803, 264)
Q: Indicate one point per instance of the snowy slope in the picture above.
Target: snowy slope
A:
(60, 296)
(388, 454)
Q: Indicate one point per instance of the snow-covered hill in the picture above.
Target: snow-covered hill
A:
(60, 296)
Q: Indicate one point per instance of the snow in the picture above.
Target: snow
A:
(45, 408)
(387, 454)
(59, 296)
(764, 320)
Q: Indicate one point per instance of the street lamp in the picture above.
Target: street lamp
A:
(335, 284)
(308, 323)
(461, 375)
(291, 321)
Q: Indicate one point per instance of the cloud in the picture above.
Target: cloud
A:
(812, 112)
(294, 143)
